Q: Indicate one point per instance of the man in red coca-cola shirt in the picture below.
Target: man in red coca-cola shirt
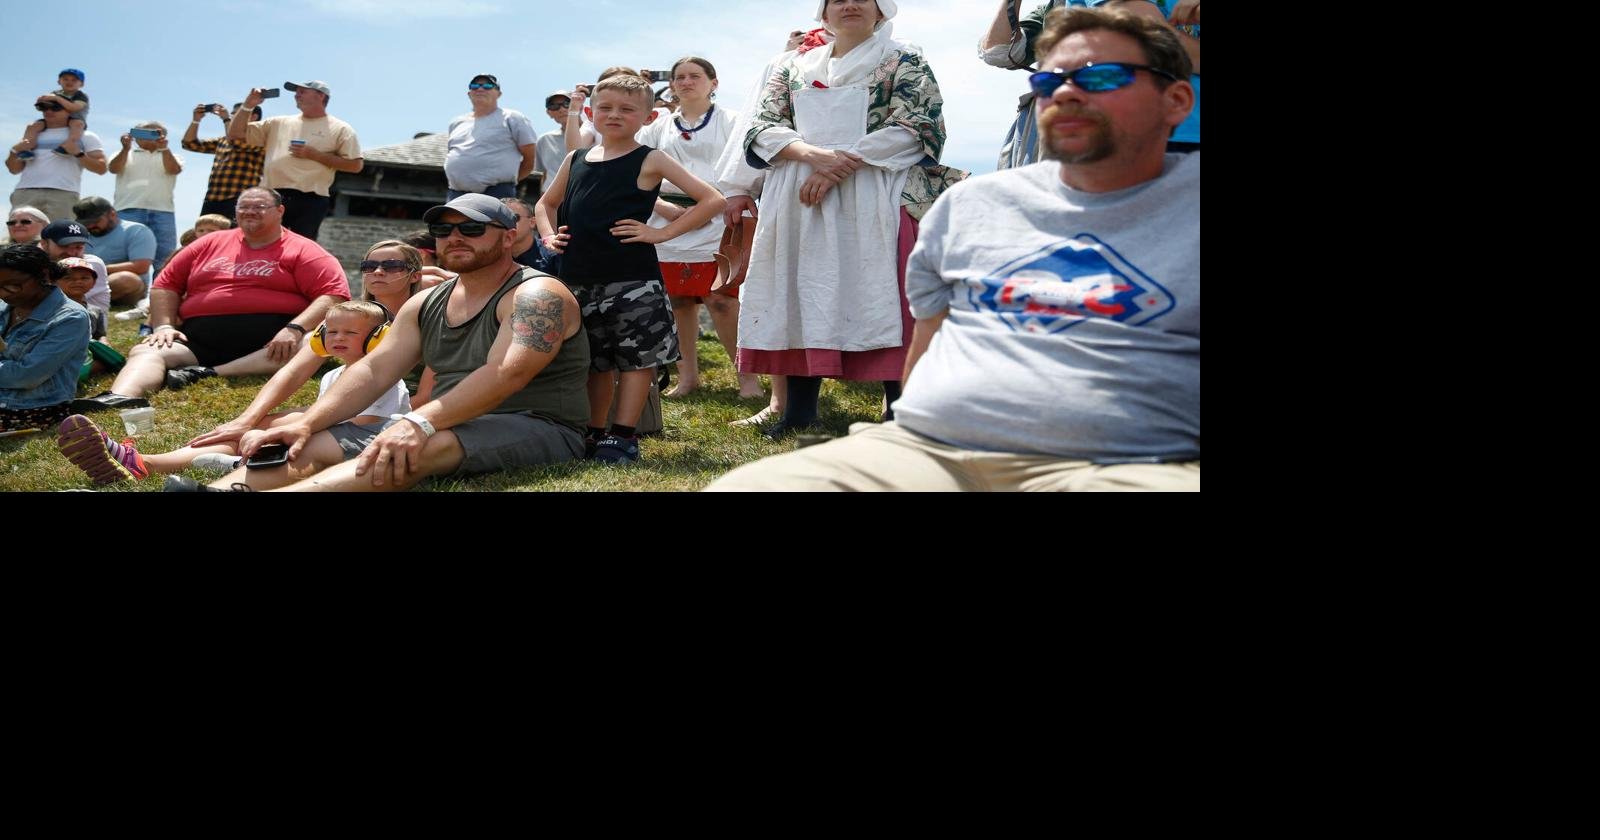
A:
(235, 302)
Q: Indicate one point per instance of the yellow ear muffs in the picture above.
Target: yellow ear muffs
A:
(319, 337)
(316, 344)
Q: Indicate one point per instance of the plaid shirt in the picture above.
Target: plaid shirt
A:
(236, 169)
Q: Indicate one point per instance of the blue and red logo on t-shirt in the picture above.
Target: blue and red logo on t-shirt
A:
(1066, 283)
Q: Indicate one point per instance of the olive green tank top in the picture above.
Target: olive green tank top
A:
(558, 393)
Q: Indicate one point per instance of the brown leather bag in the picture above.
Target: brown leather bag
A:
(733, 257)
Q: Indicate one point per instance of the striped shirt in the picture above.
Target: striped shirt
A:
(236, 169)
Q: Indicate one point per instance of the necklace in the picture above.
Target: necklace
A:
(688, 133)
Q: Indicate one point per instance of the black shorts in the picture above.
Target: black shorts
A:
(217, 339)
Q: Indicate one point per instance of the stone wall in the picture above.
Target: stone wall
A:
(349, 237)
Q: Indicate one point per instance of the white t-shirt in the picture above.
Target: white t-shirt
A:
(396, 400)
(144, 182)
(50, 171)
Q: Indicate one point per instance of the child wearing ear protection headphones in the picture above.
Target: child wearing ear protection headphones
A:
(350, 330)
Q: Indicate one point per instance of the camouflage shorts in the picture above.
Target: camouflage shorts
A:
(630, 325)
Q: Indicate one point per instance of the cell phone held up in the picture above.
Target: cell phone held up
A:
(144, 134)
(660, 75)
(271, 455)
(270, 93)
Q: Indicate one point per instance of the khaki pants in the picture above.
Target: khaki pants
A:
(886, 457)
(57, 204)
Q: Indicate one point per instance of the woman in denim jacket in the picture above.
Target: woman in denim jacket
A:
(44, 337)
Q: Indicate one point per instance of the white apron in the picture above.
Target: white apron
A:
(823, 277)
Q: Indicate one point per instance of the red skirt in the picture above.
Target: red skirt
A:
(688, 279)
(884, 364)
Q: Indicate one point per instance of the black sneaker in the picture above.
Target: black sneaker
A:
(184, 376)
(612, 449)
(106, 401)
(184, 484)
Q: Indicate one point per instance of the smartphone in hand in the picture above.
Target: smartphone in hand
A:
(144, 134)
(270, 93)
(271, 455)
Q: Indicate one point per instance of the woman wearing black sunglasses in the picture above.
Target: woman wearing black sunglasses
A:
(388, 276)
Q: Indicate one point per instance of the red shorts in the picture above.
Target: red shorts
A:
(688, 279)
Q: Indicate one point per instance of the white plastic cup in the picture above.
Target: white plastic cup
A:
(139, 420)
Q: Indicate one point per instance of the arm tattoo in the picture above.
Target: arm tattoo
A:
(537, 321)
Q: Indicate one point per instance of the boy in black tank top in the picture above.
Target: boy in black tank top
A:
(601, 201)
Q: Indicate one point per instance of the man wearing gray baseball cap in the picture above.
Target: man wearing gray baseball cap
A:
(511, 366)
(303, 152)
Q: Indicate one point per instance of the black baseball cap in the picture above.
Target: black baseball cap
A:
(65, 233)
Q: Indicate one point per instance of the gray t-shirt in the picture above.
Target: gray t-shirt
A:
(552, 150)
(1074, 317)
(484, 151)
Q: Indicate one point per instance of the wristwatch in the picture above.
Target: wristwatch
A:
(422, 422)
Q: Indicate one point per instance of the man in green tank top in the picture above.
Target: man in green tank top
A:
(510, 359)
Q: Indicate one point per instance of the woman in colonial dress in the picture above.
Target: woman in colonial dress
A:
(852, 132)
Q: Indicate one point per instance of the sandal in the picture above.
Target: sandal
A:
(760, 418)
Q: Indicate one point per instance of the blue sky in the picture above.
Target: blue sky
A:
(397, 67)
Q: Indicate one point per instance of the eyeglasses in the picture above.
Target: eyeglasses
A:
(1091, 77)
(49, 106)
(369, 266)
(482, 86)
(254, 208)
(471, 230)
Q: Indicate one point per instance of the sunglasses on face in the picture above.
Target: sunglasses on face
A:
(1092, 77)
(471, 230)
(562, 105)
(482, 86)
(369, 266)
(15, 222)
(49, 106)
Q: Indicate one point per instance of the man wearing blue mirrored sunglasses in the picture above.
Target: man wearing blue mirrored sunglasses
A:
(1057, 340)
(490, 148)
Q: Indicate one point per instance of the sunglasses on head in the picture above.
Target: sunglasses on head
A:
(1092, 77)
(471, 230)
(482, 86)
(49, 106)
(369, 266)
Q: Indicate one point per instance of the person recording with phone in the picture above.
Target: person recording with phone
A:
(236, 167)
(146, 177)
(303, 152)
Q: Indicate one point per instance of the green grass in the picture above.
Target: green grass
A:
(696, 447)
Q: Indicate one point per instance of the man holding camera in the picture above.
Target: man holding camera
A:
(237, 166)
(303, 152)
(147, 172)
(490, 149)
(50, 182)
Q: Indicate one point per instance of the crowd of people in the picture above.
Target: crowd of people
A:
(1050, 310)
